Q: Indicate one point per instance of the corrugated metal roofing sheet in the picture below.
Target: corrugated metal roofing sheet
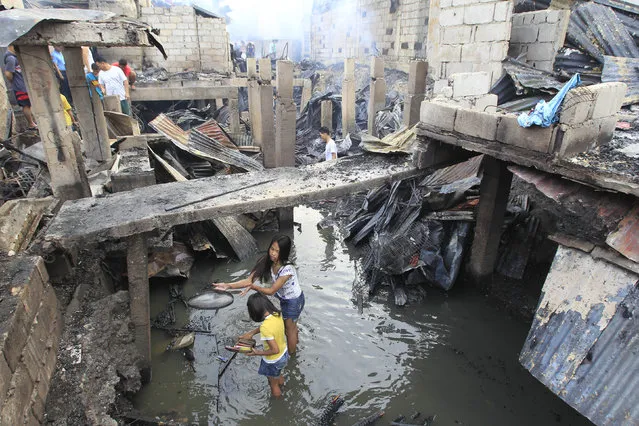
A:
(213, 130)
(626, 238)
(597, 30)
(584, 340)
(625, 70)
(199, 142)
(467, 169)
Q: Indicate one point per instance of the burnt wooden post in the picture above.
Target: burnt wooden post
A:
(92, 122)
(494, 191)
(137, 260)
(64, 160)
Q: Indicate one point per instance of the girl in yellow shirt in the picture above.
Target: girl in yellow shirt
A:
(275, 354)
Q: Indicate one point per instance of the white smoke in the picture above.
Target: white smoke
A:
(265, 20)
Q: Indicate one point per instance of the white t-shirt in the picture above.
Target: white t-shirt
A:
(113, 82)
(330, 149)
(291, 288)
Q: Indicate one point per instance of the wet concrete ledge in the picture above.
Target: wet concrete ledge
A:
(144, 209)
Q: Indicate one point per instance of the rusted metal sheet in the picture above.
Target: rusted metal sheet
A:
(457, 172)
(584, 340)
(597, 30)
(164, 125)
(625, 70)
(214, 131)
(608, 206)
(626, 238)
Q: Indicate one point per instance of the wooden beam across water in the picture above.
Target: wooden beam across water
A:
(144, 209)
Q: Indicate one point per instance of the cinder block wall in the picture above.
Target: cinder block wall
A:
(468, 36)
(363, 28)
(539, 35)
(192, 42)
(31, 326)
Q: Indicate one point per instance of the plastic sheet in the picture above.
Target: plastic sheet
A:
(546, 113)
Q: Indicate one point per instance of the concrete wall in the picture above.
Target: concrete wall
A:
(119, 7)
(468, 36)
(539, 35)
(31, 327)
(192, 42)
(363, 28)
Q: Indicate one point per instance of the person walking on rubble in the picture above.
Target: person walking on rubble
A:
(330, 153)
(275, 355)
(277, 267)
(114, 83)
(13, 73)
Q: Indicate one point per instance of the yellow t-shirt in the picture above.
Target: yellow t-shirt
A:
(273, 328)
(67, 110)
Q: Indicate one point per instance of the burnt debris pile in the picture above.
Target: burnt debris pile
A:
(416, 231)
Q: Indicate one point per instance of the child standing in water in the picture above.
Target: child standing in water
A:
(286, 286)
(275, 354)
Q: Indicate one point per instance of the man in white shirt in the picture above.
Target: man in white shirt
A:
(114, 83)
(330, 153)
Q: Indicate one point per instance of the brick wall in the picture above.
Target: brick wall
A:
(31, 327)
(192, 42)
(539, 35)
(468, 36)
(362, 28)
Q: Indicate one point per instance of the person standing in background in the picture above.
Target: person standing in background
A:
(92, 81)
(114, 83)
(13, 73)
(128, 71)
(58, 60)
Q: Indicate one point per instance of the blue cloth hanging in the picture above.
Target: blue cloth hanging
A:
(545, 113)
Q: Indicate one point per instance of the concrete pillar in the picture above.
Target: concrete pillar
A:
(494, 190)
(326, 117)
(137, 271)
(251, 68)
(234, 116)
(416, 92)
(219, 103)
(200, 103)
(112, 103)
(377, 101)
(285, 117)
(348, 98)
(64, 160)
(307, 92)
(93, 126)
(262, 119)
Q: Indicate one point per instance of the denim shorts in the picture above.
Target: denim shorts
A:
(273, 369)
(292, 308)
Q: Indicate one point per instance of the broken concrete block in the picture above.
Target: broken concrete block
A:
(487, 103)
(477, 124)
(439, 85)
(534, 138)
(438, 115)
(608, 99)
(470, 84)
(575, 109)
(524, 34)
(572, 140)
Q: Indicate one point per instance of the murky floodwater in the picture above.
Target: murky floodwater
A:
(451, 355)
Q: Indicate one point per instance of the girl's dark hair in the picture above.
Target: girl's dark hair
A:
(262, 268)
(258, 305)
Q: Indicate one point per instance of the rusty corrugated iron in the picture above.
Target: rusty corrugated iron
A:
(626, 238)
(584, 340)
(625, 70)
(199, 142)
(457, 172)
(200, 145)
(166, 126)
(213, 130)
